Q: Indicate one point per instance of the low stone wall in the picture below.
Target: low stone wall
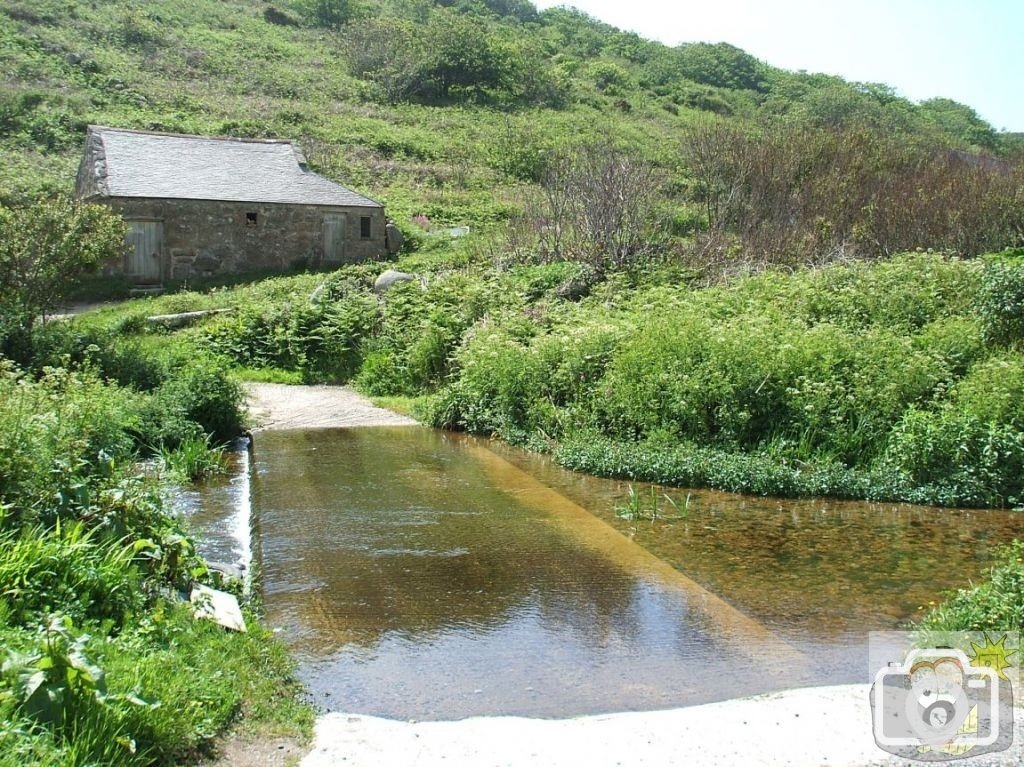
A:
(204, 238)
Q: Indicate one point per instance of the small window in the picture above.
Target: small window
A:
(250, 219)
(364, 227)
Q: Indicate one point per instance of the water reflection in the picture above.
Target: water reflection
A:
(813, 567)
(420, 575)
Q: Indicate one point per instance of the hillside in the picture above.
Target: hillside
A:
(441, 108)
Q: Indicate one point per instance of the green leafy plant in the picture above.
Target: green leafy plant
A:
(196, 457)
(58, 680)
(71, 568)
(1001, 301)
(44, 247)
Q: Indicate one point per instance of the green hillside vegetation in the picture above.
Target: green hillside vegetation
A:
(102, 663)
(458, 111)
(898, 380)
(683, 266)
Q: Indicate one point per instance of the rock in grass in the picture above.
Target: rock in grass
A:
(217, 606)
(183, 319)
(389, 278)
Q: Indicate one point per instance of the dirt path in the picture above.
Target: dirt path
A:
(279, 406)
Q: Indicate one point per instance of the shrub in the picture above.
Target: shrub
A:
(993, 391)
(969, 447)
(745, 381)
(996, 604)
(321, 340)
(596, 206)
(331, 13)
(44, 248)
(201, 396)
(956, 342)
(904, 293)
(133, 362)
(55, 435)
(958, 458)
(498, 389)
(1001, 302)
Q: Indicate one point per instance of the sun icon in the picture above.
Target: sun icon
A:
(993, 655)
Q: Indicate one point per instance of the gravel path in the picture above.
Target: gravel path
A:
(279, 406)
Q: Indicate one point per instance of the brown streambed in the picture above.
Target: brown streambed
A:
(425, 575)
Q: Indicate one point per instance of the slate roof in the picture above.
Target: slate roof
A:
(128, 163)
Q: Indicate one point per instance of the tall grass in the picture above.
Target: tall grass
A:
(99, 663)
(68, 568)
(195, 458)
(169, 685)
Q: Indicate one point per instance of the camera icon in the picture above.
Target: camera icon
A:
(936, 706)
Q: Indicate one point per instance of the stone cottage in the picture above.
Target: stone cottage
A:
(198, 206)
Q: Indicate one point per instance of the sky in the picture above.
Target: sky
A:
(971, 51)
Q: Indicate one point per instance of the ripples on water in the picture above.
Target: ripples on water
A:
(418, 574)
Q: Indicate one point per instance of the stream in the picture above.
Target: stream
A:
(418, 574)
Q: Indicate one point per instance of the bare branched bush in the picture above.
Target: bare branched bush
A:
(594, 205)
(794, 194)
(388, 53)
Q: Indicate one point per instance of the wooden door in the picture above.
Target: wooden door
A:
(143, 261)
(334, 237)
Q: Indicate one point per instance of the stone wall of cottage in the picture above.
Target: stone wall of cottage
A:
(205, 238)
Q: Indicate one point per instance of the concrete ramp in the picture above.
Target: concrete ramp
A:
(729, 624)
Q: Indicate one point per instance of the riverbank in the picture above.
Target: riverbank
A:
(103, 662)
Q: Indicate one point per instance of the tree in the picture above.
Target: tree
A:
(719, 64)
(961, 122)
(521, 10)
(462, 55)
(332, 13)
(44, 249)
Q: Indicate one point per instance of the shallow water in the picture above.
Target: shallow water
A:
(424, 575)
(218, 513)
